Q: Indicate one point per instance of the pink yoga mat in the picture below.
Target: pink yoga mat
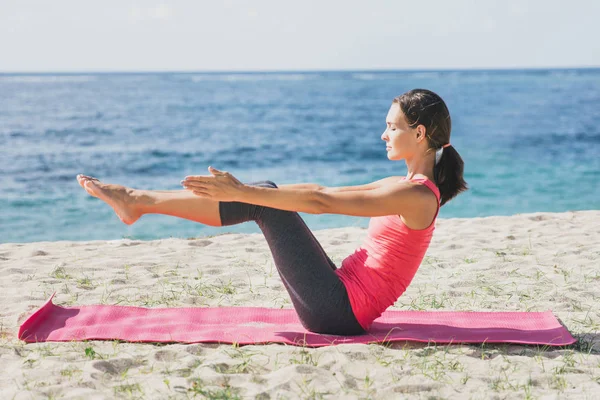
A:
(255, 325)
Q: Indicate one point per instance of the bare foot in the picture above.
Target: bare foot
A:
(120, 198)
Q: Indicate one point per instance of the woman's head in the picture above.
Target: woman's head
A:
(418, 124)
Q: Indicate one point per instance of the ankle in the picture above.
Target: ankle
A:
(141, 200)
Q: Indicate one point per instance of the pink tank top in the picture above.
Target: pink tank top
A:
(382, 267)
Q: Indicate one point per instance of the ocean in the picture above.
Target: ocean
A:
(530, 140)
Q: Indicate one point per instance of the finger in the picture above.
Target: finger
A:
(201, 193)
(195, 185)
(196, 179)
(198, 189)
(216, 171)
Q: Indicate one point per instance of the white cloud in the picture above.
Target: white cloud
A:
(161, 12)
(519, 9)
(158, 12)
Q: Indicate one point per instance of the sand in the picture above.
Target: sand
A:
(525, 262)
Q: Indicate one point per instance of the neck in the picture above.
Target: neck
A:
(421, 165)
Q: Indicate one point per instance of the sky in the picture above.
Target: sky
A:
(282, 35)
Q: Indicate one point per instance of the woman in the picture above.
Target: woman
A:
(403, 211)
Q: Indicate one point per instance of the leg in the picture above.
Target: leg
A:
(130, 204)
(317, 293)
(181, 204)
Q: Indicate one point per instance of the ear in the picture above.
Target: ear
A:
(421, 131)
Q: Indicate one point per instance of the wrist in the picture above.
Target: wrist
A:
(243, 192)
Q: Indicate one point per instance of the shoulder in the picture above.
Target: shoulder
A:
(423, 197)
(424, 210)
(417, 185)
(390, 180)
(415, 190)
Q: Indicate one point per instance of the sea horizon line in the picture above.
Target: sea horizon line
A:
(300, 71)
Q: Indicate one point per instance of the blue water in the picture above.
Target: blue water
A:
(530, 141)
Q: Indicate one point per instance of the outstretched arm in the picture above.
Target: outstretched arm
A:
(392, 198)
(314, 186)
(223, 186)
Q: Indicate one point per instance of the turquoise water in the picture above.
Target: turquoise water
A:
(530, 140)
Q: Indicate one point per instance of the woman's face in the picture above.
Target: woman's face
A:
(399, 137)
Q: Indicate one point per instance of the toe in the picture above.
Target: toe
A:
(83, 179)
(91, 184)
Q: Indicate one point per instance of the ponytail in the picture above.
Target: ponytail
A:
(448, 175)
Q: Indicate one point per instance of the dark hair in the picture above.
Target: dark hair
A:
(423, 107)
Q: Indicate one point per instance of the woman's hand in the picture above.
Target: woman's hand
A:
(220, 186)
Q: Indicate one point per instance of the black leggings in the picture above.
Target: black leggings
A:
(317, 293)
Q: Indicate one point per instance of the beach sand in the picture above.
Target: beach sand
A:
(525, 262)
